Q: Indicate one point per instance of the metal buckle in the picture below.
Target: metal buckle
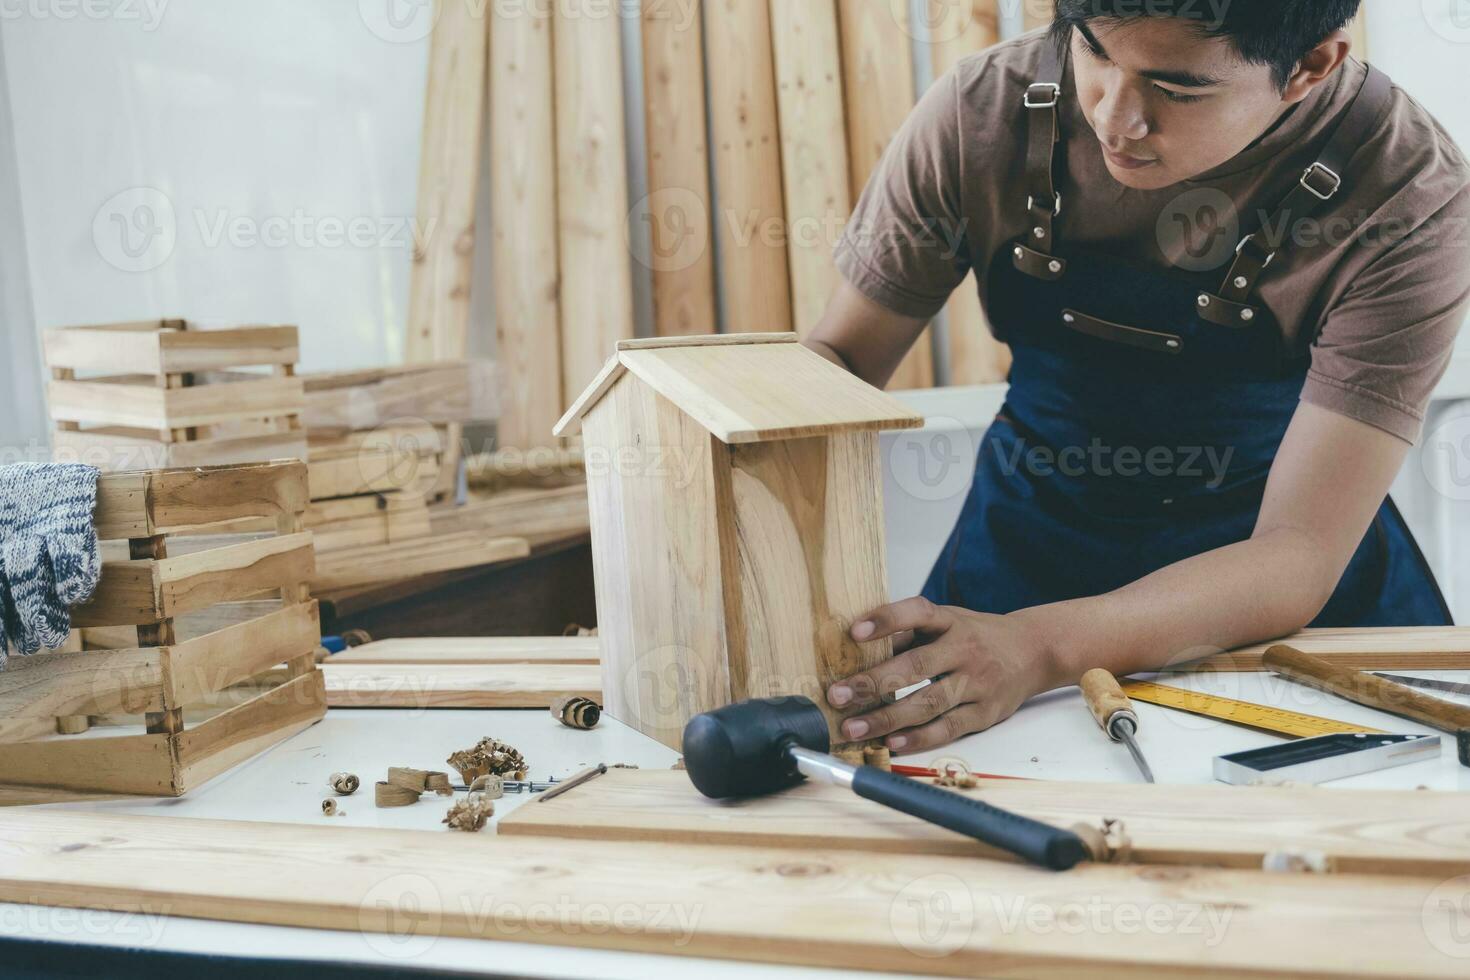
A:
(1052, 87)
(1318, 169)
(1241, 247)
(1056, 208)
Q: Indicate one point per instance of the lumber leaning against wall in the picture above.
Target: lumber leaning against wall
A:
(677, 208)
(592, 190)
(523, 240)
(449, 176)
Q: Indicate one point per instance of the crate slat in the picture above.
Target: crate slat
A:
(212, 404)
(96, 682)
(215, 661)
(142, 764)
(138, 406)
(105, 349)
(136, 505)
(231, 737)
(210, 350)
(235, 572)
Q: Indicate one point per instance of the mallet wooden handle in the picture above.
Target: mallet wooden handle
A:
(1366, 689)
(1106, 699)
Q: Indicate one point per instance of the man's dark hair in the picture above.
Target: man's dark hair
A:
(1275, 33)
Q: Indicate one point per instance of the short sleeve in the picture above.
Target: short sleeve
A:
(1383, 349)
(904, 246)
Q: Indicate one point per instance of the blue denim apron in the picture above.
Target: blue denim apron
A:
(1143, 417)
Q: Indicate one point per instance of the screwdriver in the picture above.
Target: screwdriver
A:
(1114, 713)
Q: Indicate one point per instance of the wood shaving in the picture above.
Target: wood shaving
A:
(329, 807)
(576, 712)
(387, 794)
(490, 756)
(469, 814)
(343, 783)
(488, 786)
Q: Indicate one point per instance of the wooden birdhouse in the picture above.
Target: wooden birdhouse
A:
(736, 499)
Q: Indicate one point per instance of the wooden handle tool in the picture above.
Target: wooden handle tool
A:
(1368, 689)
(1114, 713)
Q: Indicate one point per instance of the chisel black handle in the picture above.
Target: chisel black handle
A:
(1039, 843)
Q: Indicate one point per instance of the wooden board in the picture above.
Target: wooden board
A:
(476, 650)
(120, 449)
(759, 392)
(140, 505)
(592, 192)
(1390, 832)
(161, 347)
(380, 518)
(524, 244)
(661, 663)
(147, 406)
(377, 685)
(975, 356)
(878, 82)
(1392, 648)
(681, 255)
(755, 277)
(833, 909)
(353, 567)
(449, 178)
(412, 395)
(814, 162)
(559, 511)
(803, 557)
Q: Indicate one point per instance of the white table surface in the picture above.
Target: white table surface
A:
(1052, 737)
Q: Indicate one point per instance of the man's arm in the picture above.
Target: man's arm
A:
(1330, 477)
(867, 339)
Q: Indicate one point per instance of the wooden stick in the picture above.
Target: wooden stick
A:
(1367, 689)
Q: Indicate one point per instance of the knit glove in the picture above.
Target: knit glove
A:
(49, 558)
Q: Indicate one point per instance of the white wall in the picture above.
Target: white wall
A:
(257, 133)
(22, 413)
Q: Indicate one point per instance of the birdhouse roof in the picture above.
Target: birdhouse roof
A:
(755, 387)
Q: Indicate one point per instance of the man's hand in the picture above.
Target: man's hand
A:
(982, 667)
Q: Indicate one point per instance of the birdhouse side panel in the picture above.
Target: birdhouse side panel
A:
(808, 560)
(660, 612)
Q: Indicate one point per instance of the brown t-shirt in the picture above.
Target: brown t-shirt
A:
(1378, 286)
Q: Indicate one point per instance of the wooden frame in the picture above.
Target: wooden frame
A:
(162, 394)
(162, 675)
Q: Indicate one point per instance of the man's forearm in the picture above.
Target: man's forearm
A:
(1245, 593)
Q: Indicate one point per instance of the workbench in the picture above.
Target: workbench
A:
(1052, 737)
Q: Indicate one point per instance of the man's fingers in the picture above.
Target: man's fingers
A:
(918, 708)
(948, 727)
(871, 687)
(918, 614)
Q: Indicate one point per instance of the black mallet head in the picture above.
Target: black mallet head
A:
(740, 749)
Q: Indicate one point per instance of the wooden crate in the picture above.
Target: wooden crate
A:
(162, 675)
(164, 393)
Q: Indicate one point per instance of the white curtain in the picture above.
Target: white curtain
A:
(22, 408)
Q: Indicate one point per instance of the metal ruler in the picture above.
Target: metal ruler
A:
(1260, 716)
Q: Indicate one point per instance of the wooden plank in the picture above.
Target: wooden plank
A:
(240, 571)
(802, 558)
(382, 518)
(662, 663)
(592, 192)
(142, 406)
(754, 274)
(524, 244)
(449, 391)
(975, 356)
(372, 471)
(449, 177)
(824, 908)
(476, 650)
(764, 392)
(246, 730)
(1391, 832)
(559, 511)
(228, 656)
(136, 505)
(144, 764)
(129, 593)
(99, 349)
(52, 685)
(708, 340)
(681, 257)
(119, 449)
(352, 567)
(185, 351)
(1385, 648)
(878, 83)
(371, 685)
(814, 161)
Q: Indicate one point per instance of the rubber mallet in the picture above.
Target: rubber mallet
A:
(758, 747)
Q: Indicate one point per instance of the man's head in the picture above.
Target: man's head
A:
(1174, 88)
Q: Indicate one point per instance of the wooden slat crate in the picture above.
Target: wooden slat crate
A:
(162, 675)
(164, 393)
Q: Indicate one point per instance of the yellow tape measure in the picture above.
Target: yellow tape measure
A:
(1239, 712)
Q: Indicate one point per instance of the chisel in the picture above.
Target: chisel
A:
(1114, 713)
